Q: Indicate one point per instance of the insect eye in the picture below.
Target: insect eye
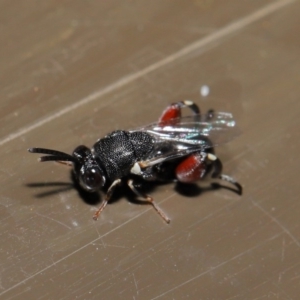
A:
(92, 179)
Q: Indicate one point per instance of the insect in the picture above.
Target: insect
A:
(175, 148)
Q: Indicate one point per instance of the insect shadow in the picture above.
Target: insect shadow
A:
(87, 197)
(90, 198)
(191, 190)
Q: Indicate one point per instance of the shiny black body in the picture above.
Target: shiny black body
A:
(120, 150)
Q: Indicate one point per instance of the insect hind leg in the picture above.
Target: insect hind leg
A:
(173, 111)
(198, 165)
(217, 173)
(209, 115)
(192, 168)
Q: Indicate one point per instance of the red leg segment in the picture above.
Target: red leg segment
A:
(197, 165)
(173, 111)
(192, 168)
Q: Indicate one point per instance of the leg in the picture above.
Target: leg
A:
(173, 111)
(209, 115)
(197, 165)
(193, 168)
(149, 199)
(217, 164)
(106, 199)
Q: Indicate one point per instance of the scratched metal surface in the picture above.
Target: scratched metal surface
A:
(72, 72)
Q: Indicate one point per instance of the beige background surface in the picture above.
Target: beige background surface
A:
(72, 71)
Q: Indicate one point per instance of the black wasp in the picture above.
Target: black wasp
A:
(175, 148)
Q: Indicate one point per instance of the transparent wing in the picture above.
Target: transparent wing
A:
(196, 130)
(182, 136)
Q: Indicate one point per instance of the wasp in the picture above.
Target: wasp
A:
(176, 148)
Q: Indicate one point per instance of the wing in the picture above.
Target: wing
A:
(195, 130)
(182, 136)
